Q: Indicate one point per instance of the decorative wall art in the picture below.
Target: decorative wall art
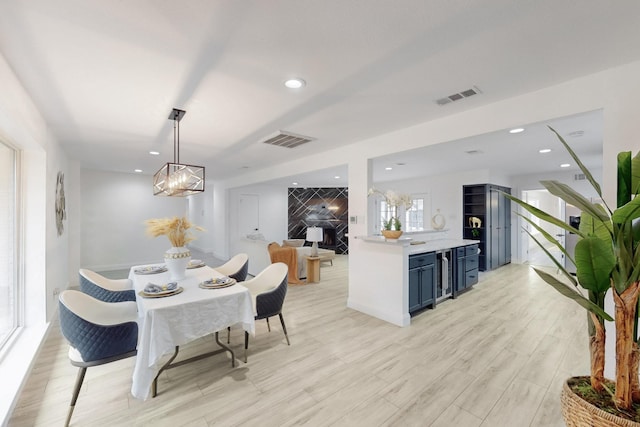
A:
(61, 212)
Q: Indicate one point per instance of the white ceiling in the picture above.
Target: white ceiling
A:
(106, 74)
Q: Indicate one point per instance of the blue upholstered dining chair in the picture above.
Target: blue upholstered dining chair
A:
(237, 267)
(268, 290)
(107, 290)
(98, 332)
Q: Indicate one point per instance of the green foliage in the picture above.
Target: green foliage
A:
(607, 251)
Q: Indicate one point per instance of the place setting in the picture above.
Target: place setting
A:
(195, 263)
(217, 283)
(159, 291)
(150, 269)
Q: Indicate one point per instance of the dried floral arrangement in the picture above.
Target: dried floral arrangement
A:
(174, 228)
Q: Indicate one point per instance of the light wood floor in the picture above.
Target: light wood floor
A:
(494, 357)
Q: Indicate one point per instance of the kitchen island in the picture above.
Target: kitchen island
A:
(392, 280)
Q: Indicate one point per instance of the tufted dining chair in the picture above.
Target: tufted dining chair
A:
(98, 332)
(107, 290)
(268, 290)
(236, 268)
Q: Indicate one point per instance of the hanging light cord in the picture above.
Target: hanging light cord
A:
(176, 145)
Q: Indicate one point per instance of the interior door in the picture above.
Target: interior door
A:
(555, 206)
(248, 214)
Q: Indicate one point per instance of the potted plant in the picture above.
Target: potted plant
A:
(392, 227)
(607, 257)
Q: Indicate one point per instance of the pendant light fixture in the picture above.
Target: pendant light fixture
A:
(177, 179)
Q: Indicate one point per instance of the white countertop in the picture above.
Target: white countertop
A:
(428, 246)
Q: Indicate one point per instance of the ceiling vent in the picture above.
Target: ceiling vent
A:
(579, 177)
(458, 96)
(287, 139)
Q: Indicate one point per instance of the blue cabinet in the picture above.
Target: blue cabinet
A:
(466, 268)
(422, 281)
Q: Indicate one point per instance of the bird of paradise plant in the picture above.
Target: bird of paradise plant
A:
(607, 257)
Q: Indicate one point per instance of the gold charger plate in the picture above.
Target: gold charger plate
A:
(176, 291)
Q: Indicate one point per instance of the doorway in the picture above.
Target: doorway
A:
(532, 253)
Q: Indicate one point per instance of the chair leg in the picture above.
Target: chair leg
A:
(246, 345)
(268, 325)
(284, 328)
(228, 334)
(76, 392)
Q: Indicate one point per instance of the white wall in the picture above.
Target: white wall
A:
(201, 213)
(113, 211)
(44, 257)
(272, 213)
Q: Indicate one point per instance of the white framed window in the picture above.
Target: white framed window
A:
(414, 216)
(9, 299)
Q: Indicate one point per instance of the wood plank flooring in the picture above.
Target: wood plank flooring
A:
(496, 356)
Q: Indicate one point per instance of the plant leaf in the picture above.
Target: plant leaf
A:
(574, 198)
(628, 212)
(573, 294)
(554, 260)
(594, 227)
(624, 178)
(635, 174)
(594, 262)
(543, 215)
(550, 238)
(583, 168)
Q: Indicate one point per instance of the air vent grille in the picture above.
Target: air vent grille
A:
(458, 96)
(579, 177)
(287, 140)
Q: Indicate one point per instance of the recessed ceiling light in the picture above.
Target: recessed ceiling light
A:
(337, 177)
(295, 83)
(138, 170)
(545, 150)
(388, 168)
(516, 130)
(565, 165)
(294, 183)
(154, 153)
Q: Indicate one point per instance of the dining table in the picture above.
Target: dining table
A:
(171, 319)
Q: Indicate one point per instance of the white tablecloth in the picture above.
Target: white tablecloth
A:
(178, 319)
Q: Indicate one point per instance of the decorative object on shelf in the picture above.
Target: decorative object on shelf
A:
(178, 256)
(178, 179)
(437, 221)
(607, 257)
(393, 200)
(475, 233)
(475, 222)
(61, 210)
(314, 234)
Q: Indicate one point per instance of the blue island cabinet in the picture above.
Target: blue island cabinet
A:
(466, 268)
(422, 281)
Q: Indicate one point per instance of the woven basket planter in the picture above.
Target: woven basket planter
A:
(580, 413)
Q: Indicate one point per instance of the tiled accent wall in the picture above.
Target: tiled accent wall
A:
(320, 207)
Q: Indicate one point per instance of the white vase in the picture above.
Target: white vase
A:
(176, 259)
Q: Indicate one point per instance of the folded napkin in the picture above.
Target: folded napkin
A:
(217, 281)
(154, 289)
